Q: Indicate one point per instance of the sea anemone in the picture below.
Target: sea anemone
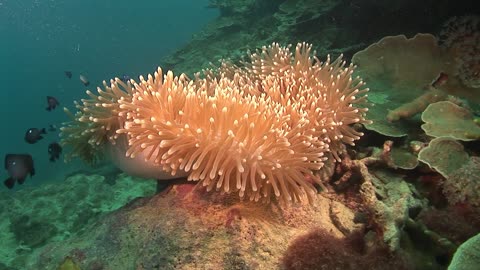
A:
(260, 129)
(96, 121)
(77, 135)
(227, 140)
(103, 112)
(298, 80)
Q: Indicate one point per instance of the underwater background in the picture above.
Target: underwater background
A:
(404, 195)
(43, 39)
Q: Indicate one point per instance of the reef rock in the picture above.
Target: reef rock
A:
(186, 229)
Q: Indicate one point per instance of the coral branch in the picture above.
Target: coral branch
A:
(417, 105)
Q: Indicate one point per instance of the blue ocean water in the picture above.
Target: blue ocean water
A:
(40, 39)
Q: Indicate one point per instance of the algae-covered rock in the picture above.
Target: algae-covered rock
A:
(188, 228)
(32, 233)
(68, 264)
(44, 214)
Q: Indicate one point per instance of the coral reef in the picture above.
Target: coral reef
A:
(194, 226)
(383, 193)
(456, 224)
(399, 92)
(282, 119)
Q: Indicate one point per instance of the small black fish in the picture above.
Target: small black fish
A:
(52, 103)
(18, 167)
(68, 74)
(52, 128)
(125, 78)
(84, 80)
(54, 150)
(33, 135)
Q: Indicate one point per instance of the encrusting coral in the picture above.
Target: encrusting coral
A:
(260, 129)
